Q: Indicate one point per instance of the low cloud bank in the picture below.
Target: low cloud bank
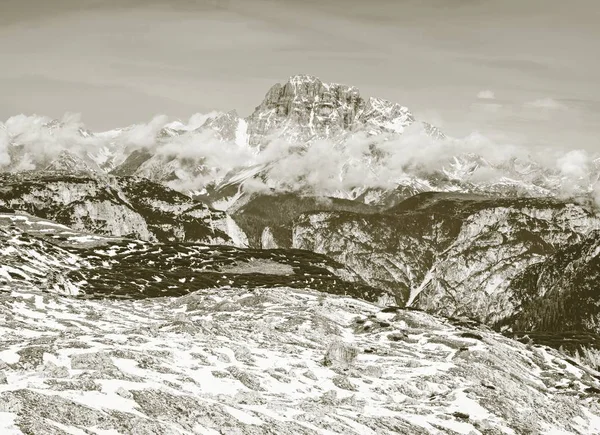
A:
(486, 95)
(546, 104)
(201, 157)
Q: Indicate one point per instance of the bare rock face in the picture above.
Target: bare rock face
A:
(560, 293)
(108, 218)
(268, 220)
(382, 115)
(340, 354)
(72, 163)
(80, 202)
(132, 163)
(449, 254)
(158, 168)
(493, 246)
(267, 241)
(227, 126)
(118, 206)
(305, 108)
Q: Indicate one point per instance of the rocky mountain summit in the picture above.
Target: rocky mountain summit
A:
(305, 109)
(377, 151)
(292, 116)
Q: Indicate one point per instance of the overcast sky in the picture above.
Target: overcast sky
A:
(525, 71)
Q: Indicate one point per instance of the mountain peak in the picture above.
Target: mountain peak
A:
(303, 78)
(305, 108)
(226, 126)
(299, 80)
(67, 161)
(380, 114)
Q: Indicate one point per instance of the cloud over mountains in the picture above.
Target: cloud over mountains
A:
(326, 165)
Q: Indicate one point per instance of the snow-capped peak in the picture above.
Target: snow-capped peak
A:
(301, 79)
(305, 108)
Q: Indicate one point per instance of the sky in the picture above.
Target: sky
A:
(519, 71)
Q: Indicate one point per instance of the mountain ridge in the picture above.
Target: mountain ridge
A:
(364, 137)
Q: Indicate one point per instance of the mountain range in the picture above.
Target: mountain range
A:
(305, 136)
(336, 228)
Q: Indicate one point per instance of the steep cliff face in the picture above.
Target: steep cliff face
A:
(562, 292)
(227, 127)
(117, 206)
(69, 162)
(267, 240)
(450, 254)
(132, 163)
(272, 216)
(305, 108)
(472, 276)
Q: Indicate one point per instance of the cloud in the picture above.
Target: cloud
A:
(574, 164)
(144, 135)
(200, 158)
(576, 170)
(486, 102)
(486, 95)
(4, 143)
(545, 104)
(487, 107)
(596, 194)
(38, 139)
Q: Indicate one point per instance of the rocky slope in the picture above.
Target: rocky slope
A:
(274, 360)
(37, 253)
(450, 254)
(561, 293)
(118, 206)
(268, 220)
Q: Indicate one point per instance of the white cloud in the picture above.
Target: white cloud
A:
(487, 107)
(545, 104)
(41, 139)
(574, 164)
(322, 168)
(577, 170)
(145, 134)
(4, 143)
(486, 95)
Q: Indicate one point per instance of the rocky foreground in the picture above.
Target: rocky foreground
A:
(274, 361)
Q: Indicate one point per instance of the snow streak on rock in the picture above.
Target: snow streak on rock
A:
(36, 253)
(278, 361)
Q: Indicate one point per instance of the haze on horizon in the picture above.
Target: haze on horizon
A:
(519, 72)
